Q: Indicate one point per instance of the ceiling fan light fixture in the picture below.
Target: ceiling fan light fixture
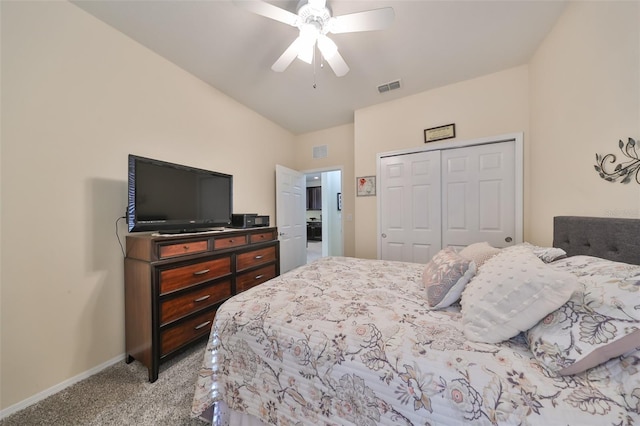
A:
(307, 42)
(318, 17)
(306, 54)
(327, 47)
(308, 33)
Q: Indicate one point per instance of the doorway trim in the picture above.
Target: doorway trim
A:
(323, 170)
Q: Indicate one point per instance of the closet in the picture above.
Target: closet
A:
(450, 194)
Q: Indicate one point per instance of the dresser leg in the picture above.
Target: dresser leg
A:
(153, 374)
(129, 359)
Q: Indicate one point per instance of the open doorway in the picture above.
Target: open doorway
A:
(324, 214)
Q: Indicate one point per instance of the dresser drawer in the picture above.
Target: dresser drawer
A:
(180, 249)
(263, 236)
(255, 257)
(229, 242)
(195, 300)
(172, 338)
(185, 276)
(251, 279)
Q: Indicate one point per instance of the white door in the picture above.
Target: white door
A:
(478, 195)
(290, 218)
(409, 206)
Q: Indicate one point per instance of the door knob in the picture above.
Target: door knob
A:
(282, 234)
(508, 239)
(384, 235)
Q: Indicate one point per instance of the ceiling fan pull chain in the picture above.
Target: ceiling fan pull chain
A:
(314, 67)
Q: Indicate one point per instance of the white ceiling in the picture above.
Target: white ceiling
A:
(430, 44)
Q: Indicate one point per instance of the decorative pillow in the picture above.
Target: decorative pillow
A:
(546, 254)
(599, 322)
(445, 276)
(510, 293)
(479, 252)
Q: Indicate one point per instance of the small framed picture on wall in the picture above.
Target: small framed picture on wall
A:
(439, 133)
(365, 186)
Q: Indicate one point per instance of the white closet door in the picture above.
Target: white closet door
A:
(478, 195)
(410, 207)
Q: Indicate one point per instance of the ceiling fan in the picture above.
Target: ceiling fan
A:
(314, 21)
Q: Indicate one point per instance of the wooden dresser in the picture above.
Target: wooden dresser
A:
(175, 283)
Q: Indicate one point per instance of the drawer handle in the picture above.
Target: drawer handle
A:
(203, 298)
(259, 256)
(259, 276)
(185, 247)
(204, 324)
(231, 240)
(204, 271)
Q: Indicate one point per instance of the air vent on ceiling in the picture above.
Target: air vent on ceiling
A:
(320, 151)
(392, 85)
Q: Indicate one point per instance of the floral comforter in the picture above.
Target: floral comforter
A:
(350, 341)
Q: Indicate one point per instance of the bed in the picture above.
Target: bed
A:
(524, 335)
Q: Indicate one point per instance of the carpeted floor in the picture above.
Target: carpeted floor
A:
(314, 250)
(122, 395)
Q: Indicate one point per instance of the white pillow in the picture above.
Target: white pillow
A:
(445, 276)
(479, 252)
(510, 293)
(546, 254)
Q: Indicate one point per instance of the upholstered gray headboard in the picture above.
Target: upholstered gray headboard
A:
(610, 238)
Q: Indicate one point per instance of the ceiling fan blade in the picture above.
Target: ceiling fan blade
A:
(337, 64)
(268, 10)
(369, 20)
(287, 57)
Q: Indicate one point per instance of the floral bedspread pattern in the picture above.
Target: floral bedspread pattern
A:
(347, 341)
(601, 317)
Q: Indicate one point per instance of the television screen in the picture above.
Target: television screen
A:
(171, 197)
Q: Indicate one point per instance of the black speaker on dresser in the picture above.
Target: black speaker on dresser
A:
(243, 220)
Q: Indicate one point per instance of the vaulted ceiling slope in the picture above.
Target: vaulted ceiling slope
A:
(428, 45)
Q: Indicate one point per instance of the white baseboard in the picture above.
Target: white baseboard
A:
(57, 388)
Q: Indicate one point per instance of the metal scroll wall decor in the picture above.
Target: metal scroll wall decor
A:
(624, 170)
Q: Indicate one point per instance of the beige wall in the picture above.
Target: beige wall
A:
(339, 142)
(585, 96)
(77, 97)
(491, 105)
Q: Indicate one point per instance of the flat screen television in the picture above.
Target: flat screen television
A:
(174, 198)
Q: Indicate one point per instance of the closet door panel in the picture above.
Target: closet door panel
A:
(420, 207)
(489, 206)
(479, 200)
(395, 197)
(395, 251)
(409, 207)
(456, 205)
